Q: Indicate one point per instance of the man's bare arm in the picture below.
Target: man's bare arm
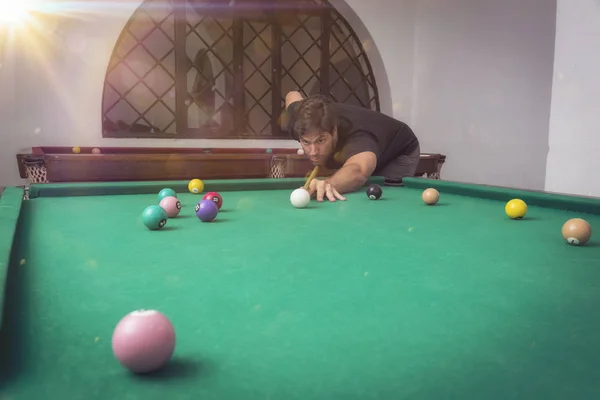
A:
(292, 97)
(354, 173)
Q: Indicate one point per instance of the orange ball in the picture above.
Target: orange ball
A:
(430, 196)
(577, 231)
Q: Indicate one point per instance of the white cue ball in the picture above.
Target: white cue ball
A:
(300, 198)
(301, 152)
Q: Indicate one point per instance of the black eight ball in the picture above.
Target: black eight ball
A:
(374, 192)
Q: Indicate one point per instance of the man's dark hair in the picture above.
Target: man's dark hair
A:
(313, 114)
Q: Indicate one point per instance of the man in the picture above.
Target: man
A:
(357, 141)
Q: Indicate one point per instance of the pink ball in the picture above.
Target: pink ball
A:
(171, 205)
(143, 341)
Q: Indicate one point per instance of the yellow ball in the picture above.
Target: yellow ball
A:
(516, 208)
(76, 150)
(196, 186)
(339, 157)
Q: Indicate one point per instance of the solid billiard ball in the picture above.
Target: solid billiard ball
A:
(143, 341)
(196, 186)
(154, 217)
(516, 208)
(216, 197)
(165, 193)
(171, 205)
(374, 192)
(430, 196)
(76, 150)
(206, 210)
(577, 231)
(300, 198)
(339, 157)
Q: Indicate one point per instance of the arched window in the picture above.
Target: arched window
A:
(221, 69)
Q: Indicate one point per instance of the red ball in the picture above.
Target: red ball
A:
(216, 197)
(143, 341)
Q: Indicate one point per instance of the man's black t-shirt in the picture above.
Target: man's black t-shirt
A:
(361, 129)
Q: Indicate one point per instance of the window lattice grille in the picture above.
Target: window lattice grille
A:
(201, 69)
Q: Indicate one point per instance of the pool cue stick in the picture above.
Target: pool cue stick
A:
(311, 177)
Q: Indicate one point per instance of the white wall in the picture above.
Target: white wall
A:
(573, 160)
(59, 95)
(470, 76)
(390, 49)
(60, 80)
(483, 81)
(8, 108)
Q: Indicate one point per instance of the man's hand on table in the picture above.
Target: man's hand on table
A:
(323, 190)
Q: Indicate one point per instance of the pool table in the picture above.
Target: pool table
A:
(357, 299)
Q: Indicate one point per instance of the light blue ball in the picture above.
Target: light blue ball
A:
(166, 193)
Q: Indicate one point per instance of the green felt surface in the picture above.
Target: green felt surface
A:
(119, 188)
(351, 300)
(543, 199)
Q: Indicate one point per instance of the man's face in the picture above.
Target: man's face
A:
(318, 146)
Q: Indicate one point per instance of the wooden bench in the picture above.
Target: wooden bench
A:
(60, 164)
